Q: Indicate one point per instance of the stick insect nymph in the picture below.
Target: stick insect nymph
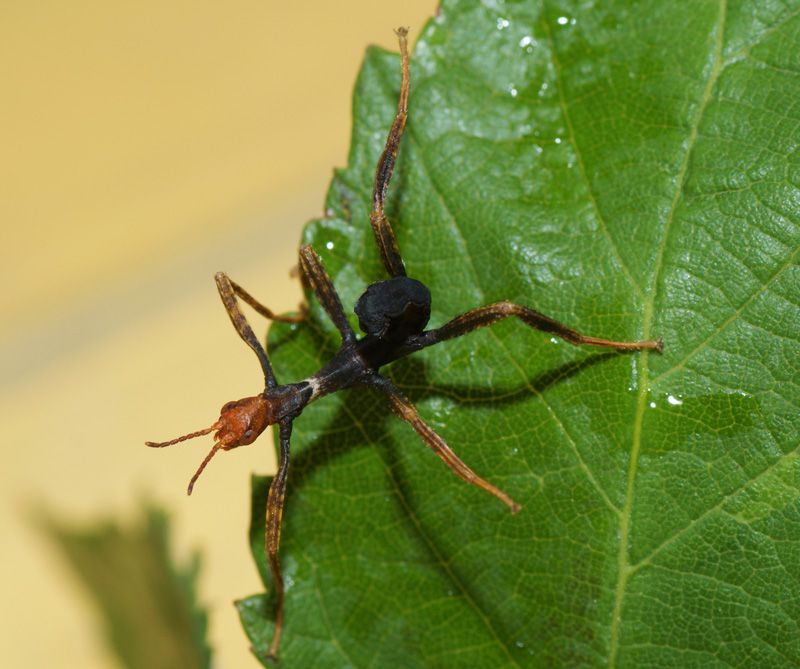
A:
(393, 315)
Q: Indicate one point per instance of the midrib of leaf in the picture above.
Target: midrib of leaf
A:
(624, 568)
(735, 58)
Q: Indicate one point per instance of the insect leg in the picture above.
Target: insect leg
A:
(228, 294)
(401, 405)
(243, 295)
(483, 316)
(277, 492)
(313, 269)
(384, 236)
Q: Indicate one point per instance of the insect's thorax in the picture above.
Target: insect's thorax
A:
(287, 401)
(389, 312)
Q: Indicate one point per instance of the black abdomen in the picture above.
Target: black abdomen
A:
(394, 309)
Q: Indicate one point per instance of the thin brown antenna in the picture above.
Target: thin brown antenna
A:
(191, 435)
(202, 466)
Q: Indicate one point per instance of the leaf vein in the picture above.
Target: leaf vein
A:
(734, 316)
(648, 559)
(512, 359)
(334, 641)
(582, 168)
(431, 546)
(746, 594)
(745, 50)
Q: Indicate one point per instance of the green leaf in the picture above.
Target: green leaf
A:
(630, 169)
(148, 604)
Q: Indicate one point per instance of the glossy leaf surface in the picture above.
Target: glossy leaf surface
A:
(630, 169)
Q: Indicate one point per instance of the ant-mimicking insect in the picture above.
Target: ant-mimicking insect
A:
(393, 315)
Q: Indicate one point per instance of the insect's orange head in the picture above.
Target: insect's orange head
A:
(240, 422)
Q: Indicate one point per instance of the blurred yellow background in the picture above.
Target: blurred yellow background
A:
(144, 146)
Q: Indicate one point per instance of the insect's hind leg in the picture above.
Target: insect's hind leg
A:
(403, 407)
(272, 532)
(381, 228)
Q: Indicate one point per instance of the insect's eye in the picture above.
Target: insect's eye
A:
(248, 434)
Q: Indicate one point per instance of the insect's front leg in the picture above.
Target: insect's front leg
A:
(277, 492)
(314, 271)
(243, 295)
(228, 294)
